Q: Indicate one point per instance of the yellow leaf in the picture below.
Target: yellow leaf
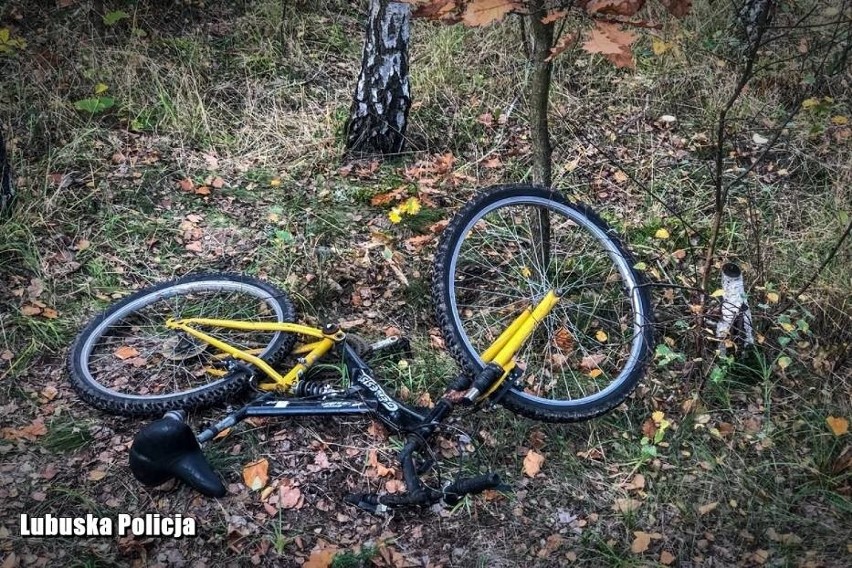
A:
(601, 335)
(256, 474)
(839, 120)
(772, 297)
(275, 182)
(658, 416)
(595, 373)
(718, 293)
(395, 215)
(784, 362)
(532, 463)
(661, 234)
(787, 326)
(101, 88)
(659, 46)
(838, 426)
(526, 271)
(640, 543)
(810, 103)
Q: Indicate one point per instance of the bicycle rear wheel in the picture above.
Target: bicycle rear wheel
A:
(503, 252)
(127, 362)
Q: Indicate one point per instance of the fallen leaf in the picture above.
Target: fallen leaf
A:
(321, 558)
(217, 182)
(532, 463)
(186, 184)
(640, 543)
(677, 8)
(49, 313)
(613, 43)
(635, 484)
(202, 190)
(614, 7)
(838, 426)
(590, 362)
(126, 352)
(601, 335)
(256, 474)
(96, 475)
(30, 310)
(626, 505)
(194, 246)
(290, 497)
(666, 557)
(772, 297)
(704, 509)
(661, 234)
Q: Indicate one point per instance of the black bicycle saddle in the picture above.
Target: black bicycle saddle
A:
(167, 448)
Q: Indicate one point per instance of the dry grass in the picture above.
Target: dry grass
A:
(251, 94)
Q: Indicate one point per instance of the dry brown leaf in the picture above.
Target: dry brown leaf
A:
(838, 426)
(194, 246)
(186, 184)
(484, 12)
(611, 42)
(566, 41)
(677, 8)
(615, 7)
(202, 190)
(635, 484)
(321, 558)
(590, 362)
(435, 10)
(394, 486)
(640, 543)
(290, 497)
(554, 16)
(704, 509)
(666, 558)
(125, 352)
(532, 463)
(626, 505)
(389, 197)
(96, 475)
(415, 244)
(256, 474)
(49, 313)
(218, 182)
(30, 310)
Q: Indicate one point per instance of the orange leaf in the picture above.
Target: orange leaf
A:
(321, 558)
(49, 313)
(202, 190)
(126, 352)
(186, 184)
(30, 310)
(666, 558)
(532, 463)
(640, 543)
(564, 43)
(484, 12)
(838, 426)
(611, 42)
(256, 474)
(217, 182)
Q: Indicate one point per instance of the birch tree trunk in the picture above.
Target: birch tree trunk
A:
(7, 190)
(379, 113)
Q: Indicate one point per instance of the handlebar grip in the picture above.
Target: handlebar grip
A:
(454, 492)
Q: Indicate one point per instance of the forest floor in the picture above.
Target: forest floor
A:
(206, 135)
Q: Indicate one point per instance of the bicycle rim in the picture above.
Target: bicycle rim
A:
(592, 342)
(131, 353)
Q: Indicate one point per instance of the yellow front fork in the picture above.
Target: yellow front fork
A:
(506, 346)
(312, 351)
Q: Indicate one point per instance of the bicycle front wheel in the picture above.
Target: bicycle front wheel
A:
(128, 362)
(502, 253)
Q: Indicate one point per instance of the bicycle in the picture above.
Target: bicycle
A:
(537, 300)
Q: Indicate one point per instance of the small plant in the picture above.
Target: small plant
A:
(112, 18)
(9, 44)
(654, 431)
(98, 103)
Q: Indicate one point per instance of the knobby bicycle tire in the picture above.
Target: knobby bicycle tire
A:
(84, 378)
(491, 209)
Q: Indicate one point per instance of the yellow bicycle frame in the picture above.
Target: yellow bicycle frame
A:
(311, 351)
(501, 352)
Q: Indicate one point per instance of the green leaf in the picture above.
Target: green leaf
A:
(112, 18)
(95, 105)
